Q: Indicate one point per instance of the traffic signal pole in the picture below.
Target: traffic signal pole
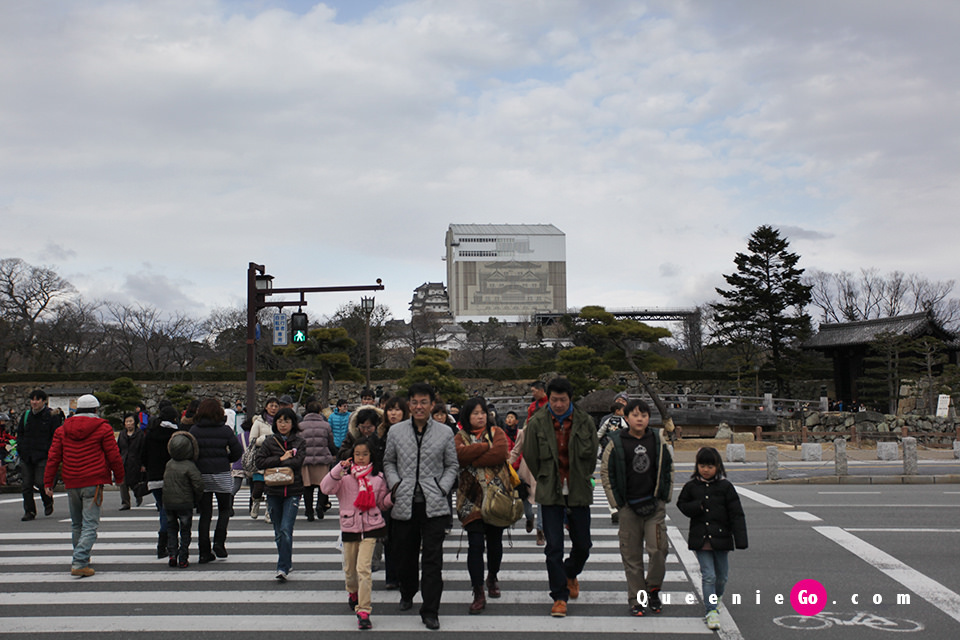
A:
(259, 287)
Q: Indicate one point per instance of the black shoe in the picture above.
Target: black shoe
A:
(655, 605)
(172, 561)
(363, 620)
(637, 610)
(139, 501)
(27, 517)
(310, 517)
(206, 557)
(431, 622)
(320, 514)
(48, 510)
(406, 605)
(391, 586)
(615, 517)
(123, 507)
(220, 551)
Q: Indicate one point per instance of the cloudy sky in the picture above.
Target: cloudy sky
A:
(150, 150)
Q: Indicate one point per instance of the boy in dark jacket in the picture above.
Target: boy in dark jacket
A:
(637, 476)
(182, 489)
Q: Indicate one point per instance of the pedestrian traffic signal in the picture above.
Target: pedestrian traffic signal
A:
(298, 327)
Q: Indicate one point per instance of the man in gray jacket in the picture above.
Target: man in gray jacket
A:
(420, 464)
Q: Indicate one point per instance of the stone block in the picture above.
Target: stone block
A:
(840, 456)
(736, 453)
(884, 479)
(854, 479)
(956, 449)
(910, 467)
(918, 480)
(812, 420)
(724, 432)
(887, 451)
(743, 436)
(773, 463)
(811, 452)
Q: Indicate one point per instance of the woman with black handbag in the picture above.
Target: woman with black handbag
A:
(482, 451)
(281, 457)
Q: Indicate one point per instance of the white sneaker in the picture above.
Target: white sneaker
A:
(282, 577)
(713, 619)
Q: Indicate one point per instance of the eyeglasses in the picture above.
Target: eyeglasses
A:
(421, 403)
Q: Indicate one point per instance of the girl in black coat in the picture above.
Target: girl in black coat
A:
(717, 525)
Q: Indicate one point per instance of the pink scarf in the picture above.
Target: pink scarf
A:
(365, 498)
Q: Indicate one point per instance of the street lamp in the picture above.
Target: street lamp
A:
(367, 305)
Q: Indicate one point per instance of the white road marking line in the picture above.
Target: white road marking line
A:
(803, 516)
(728, 627)
(762, 499)
(333, 555)
(328, 596)
(927, 588)
(588, 625)
(842, 493)
(266, 574)
(899, 530)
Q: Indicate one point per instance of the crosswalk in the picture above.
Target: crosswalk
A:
(133, 592)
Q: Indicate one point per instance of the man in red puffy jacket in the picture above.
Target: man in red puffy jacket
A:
(86, 448)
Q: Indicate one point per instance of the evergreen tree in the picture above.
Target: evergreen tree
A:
(583, 368)
(430, 365)
(330, 349)
(766, 301)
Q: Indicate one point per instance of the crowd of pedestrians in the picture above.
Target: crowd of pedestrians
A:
(394, 465)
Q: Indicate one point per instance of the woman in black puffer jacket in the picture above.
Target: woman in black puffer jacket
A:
(286, 448)
(219, 448)
(153, 460)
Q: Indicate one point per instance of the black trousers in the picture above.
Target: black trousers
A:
(224, 504)
(31, 474)
(480, 535)
(411, 534)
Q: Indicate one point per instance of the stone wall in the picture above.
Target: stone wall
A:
(821, 426)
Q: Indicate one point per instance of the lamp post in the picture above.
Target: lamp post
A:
(367, 304)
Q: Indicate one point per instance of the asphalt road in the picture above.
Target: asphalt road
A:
(864, 541)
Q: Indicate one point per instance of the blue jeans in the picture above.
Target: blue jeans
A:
(283, 514)
(558, 569)
(85, 518)
(713, 573)
(158, 499)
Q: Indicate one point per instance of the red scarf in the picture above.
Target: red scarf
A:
(365, 498)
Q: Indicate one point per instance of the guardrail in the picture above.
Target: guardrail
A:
(802, 435)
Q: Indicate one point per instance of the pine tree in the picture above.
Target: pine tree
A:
(766, 301)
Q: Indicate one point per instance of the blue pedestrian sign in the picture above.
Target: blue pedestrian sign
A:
(280, 333)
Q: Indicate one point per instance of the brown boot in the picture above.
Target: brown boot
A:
(479, 601)
(493, 587)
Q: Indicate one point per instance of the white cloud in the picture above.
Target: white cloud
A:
(335, 146)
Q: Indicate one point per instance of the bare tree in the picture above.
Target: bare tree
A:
(70, 339)
(847, 297)
(144, 339)
(28, 295)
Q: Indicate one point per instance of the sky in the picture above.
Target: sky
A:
(150, 150)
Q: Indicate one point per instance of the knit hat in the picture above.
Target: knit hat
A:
(622, 396)
(88, 401)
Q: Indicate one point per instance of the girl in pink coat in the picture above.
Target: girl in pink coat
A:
(361, 492)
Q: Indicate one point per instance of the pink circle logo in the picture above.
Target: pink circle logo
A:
(808, 597)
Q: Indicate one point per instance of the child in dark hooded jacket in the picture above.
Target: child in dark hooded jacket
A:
(182, 490)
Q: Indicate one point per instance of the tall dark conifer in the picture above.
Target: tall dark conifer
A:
(766, 301)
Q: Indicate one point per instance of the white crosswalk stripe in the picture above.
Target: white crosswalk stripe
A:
(134, 592)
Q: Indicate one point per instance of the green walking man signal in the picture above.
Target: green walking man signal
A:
(298, 327)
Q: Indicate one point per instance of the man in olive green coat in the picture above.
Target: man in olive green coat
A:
(560, 448)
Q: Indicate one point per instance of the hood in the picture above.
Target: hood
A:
(81, 426)
(312, 417)
(183, 446)
(352, 429)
